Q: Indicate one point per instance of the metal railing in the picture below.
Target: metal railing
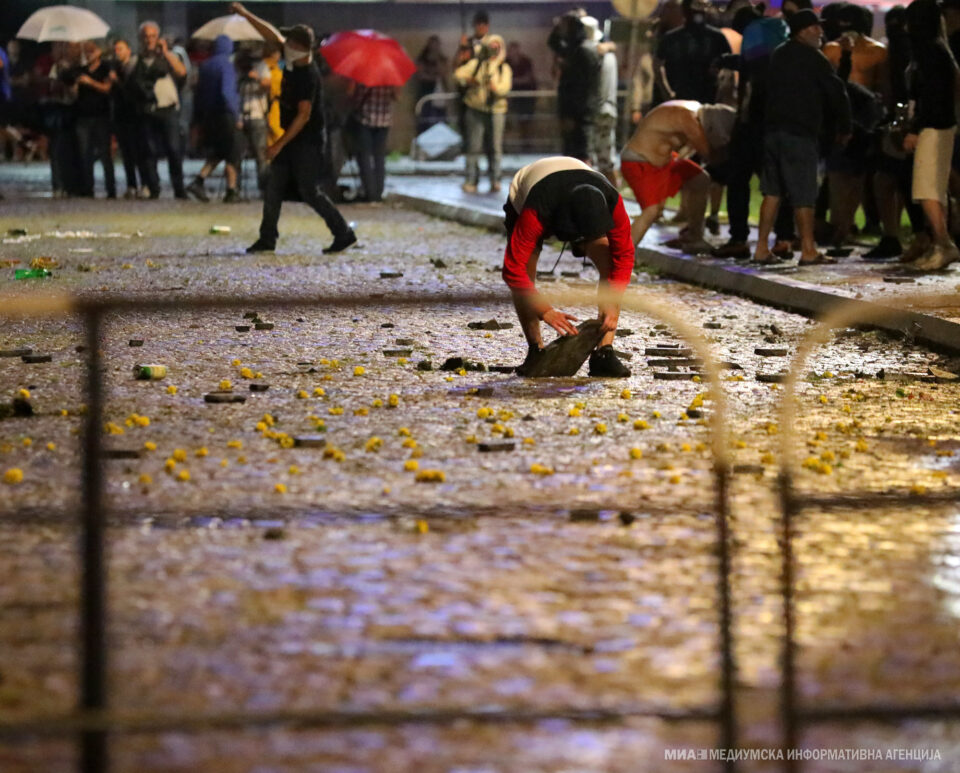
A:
(536, 131)
(93, 720)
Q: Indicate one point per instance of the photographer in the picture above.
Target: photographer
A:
(158, 105)
(486, 79)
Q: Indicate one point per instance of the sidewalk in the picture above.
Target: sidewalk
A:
(926, 306)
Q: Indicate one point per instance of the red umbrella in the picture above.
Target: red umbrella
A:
(368, 57)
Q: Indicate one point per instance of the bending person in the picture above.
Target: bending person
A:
(654, 169)
(564, 198)
(296, 159)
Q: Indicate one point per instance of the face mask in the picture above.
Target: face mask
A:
(698, 18)
(291, 55)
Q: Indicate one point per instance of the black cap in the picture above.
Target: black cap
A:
(802, 19)
(300, 34)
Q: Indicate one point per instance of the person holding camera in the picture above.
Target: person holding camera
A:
(158, 104)
(486, 80)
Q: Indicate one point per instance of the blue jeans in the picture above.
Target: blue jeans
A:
(93, 141)
(371, 158)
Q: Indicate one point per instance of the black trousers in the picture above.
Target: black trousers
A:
(298, 166)
(93, 144)
(160, 137)
(745, 160)
(126, 133)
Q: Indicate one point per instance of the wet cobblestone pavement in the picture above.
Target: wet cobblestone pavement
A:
(575, 570)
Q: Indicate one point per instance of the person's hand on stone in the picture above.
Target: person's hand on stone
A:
(560, 321)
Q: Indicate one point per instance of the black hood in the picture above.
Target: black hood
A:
(583, 214)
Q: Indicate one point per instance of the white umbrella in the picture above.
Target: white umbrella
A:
(64, 23)
(234, 27)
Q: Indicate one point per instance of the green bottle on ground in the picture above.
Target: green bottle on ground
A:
(32, 273)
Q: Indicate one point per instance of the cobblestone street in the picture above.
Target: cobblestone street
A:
(342, 539)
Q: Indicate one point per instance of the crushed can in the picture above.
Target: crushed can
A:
(149, 372)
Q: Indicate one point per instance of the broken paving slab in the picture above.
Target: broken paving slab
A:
(391, 274)
(259, 387)
(224, 397)
(397, 352)
(310, 441)
(33, 359)
(667, 351)
(461, 363)
(670, 375)
(263, 326)
(564, 356)
(489, 448)
(120, 453)
(16, 352)
(679, 362)
(490, 324)
(763, 351)
(771, 378)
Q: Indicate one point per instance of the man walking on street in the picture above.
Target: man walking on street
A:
(296, 158)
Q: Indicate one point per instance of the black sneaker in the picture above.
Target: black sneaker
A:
(261, 246)
(197, 190)
(889, 247)
(230, 197)
(533, 354)
(604, 363)
(732, 249)
(341, 243)
(712, 224)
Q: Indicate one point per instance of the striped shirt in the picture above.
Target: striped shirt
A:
(374, 105)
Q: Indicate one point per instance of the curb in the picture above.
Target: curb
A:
(792, 295)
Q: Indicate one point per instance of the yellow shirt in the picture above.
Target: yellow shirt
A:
(273, 116)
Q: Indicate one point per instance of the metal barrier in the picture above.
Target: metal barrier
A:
(536, 131)
(93, 720)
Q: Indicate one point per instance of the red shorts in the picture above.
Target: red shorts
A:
(653, 185)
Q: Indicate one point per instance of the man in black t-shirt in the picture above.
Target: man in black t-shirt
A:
(93, 120)
(297, 157)
(687, 58)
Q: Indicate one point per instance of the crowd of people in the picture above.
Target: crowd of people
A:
(160, 99)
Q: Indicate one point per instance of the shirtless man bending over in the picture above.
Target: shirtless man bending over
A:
(655, 168)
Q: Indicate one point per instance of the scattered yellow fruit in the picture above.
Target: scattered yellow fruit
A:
(169, 465)
(377, 403)
(13, 476)
(224, 462)
(574, 431)
(600, 428)
(183, 475)
(145, 480)
(302, 394)
(51, 446)
(393, 401)
(636, 453)
(409, 443)
(541, 469)
(403, 432)
(373, 444)
(24, 393)
(686, 448)
(626, 394)
(171, 390)
(655, 414)
(234, 444)
(359, 370)
(411, 465)
(484, 413)
(823, 399)
(422, 526)
(640, 424)
(361, 411)
(470, 439)
(335, 411)
(201, 452)
(623, 418)
(225, 385)
(235, 363)
(280, 488)
(319, 391)
(286, 442)
(529, 441)
(416, 453)
(143, 421)
(150, 446)
(241, 460)
(574, 411)
(179, 455)
(431, 476)
(767, 458)
(111, 428)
